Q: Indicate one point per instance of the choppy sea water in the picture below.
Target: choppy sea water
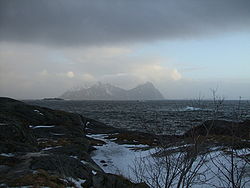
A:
(161, 117)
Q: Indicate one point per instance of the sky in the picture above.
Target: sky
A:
(185, 48)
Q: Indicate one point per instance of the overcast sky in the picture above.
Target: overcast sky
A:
(185, 47)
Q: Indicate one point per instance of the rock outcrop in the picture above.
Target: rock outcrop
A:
(44, 147)
(222, 127)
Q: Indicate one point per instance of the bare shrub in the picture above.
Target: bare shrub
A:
(190, 161)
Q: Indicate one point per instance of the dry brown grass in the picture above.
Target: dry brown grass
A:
(38, 179)
(133, 138)
(55, 142)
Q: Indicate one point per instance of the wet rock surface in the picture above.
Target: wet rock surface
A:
(44, 147)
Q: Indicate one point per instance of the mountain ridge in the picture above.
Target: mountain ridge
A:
(101, 91)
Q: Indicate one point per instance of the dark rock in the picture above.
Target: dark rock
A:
(9, 161)
(110, 180)
(95, 127)
(25, 115)
(62, 165)
(221, 127)
(16, 138)
(72, 150)
(48, 156)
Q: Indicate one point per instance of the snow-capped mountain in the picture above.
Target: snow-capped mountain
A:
(102, 91)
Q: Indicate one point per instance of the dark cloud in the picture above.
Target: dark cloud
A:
(97, 22)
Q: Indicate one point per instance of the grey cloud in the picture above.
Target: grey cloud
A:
(104, 22)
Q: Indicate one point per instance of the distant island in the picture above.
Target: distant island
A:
(53, 99)
(101, 91)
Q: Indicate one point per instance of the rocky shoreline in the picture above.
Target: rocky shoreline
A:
(52, 148)
(44, 147)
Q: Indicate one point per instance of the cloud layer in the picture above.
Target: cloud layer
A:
(31, 70)
(103, 22)
(49, 46)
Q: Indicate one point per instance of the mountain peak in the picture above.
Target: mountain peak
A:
(146, 91)
(146, 84)
(106, 91)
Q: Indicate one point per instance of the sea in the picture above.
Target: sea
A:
(158, 117)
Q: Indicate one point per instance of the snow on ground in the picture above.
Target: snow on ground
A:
(115, 158)
(218, 168)
(120, 159)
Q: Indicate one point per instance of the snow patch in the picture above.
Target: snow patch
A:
(77, 182)
(190, 108)
(118, 158)
(75, 157)
(84, 162)
(49, 148)
(37, 111)
(94, 172)
(41, 126)
(7, 154)
(57, 134)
